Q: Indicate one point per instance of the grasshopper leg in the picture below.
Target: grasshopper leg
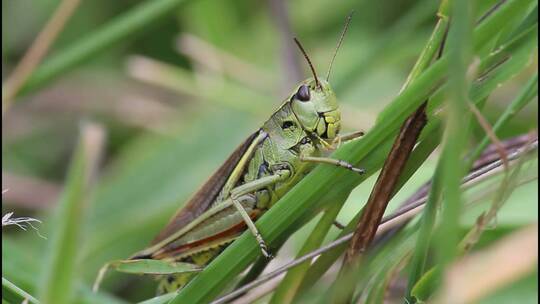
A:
(251, 187)
(348, 137)
(252, 228)
(340, 139)
(331, 161)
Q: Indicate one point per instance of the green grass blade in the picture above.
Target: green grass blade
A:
(13, 294)
(423, 241)
(60, 263)
(425, 285)
(432, 46)
(457, 131)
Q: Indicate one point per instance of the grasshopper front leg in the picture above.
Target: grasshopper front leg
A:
(335, 144)
(331, 161)
(338, 140)
(346, 138)
(251, 187)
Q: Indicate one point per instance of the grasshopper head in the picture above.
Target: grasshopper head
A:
(315, 105)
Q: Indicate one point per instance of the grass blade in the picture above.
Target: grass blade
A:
(60, 262)
(457, 131)
(13, 294)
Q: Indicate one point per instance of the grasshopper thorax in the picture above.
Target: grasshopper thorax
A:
(315, 106)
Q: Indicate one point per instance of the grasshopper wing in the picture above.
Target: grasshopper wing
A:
(202, 200)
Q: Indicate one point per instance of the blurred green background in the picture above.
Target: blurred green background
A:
(176, 97)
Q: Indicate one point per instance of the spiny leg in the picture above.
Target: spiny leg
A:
(331, 161)
(251, 187)
(340, 139)
(252, 228)
(349, 136)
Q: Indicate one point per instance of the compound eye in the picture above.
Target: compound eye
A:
(303, 93)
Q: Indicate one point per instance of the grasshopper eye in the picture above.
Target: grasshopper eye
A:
(303, 93)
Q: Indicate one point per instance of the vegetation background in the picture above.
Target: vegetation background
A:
(136, 103)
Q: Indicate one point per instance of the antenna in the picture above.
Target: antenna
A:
(345, 28)
(317, 83)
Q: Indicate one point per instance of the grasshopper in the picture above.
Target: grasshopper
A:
(259, 172)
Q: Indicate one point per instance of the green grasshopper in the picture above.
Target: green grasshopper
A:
(259, 172)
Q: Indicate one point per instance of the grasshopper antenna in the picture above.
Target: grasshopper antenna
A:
(345, 28)
(317, 83)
